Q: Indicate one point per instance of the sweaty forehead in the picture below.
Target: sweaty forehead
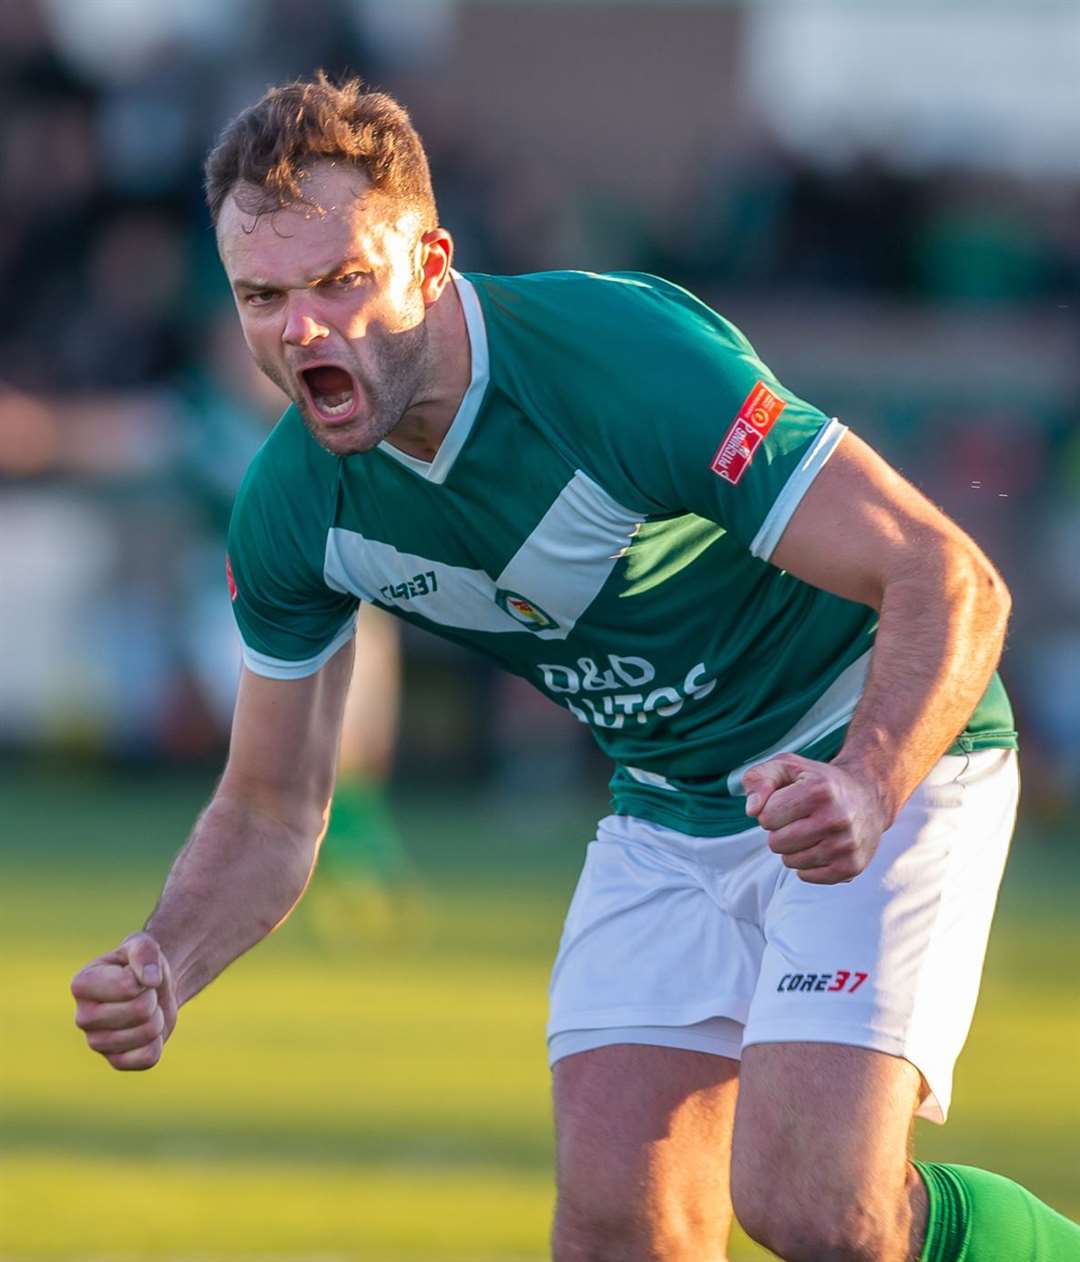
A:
(286, 245)
(340, 218)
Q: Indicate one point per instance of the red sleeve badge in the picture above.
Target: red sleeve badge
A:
(758, 414)
(229, 577)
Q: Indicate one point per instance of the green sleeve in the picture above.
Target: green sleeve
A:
(723, 437)
(675, 409)
(291, 622)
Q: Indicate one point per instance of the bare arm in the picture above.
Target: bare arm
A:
(864, 533)
(254, 847)
(240, 874)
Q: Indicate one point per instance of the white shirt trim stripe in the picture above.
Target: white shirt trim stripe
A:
(814, 459)
(831, 710)
(465, 417)
(275, 668)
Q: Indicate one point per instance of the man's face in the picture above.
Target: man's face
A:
(329, 296)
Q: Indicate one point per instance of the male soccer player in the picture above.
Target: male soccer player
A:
(594, 480)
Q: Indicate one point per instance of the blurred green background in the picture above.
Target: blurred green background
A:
(388, 1101)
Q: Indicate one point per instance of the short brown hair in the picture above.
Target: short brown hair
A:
(272, 143)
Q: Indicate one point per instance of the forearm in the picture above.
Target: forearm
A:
(238, 877)
(940, 637)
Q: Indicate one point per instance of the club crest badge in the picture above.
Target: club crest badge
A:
(530, 615)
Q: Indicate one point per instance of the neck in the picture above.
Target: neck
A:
(421, 430)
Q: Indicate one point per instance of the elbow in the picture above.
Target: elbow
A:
(976, 586)
(1002, 597)
(991, 591)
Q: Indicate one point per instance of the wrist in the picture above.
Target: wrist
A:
(874, 781)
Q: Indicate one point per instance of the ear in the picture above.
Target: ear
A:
(436, 252)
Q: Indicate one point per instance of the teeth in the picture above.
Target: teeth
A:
(336, 404)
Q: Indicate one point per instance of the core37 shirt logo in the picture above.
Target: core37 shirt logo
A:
(759, 412)
(843, 980)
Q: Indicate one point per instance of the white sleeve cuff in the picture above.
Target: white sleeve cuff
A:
(276, 668)
(814, 460)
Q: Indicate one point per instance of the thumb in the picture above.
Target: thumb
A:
(762, 781)
(144, 959)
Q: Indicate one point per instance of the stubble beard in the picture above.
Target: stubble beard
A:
(402, 371)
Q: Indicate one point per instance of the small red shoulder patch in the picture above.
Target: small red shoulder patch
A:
(758, 414)
(229, 577)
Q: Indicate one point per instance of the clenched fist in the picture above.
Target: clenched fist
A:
(125, 1003)
(823, 821)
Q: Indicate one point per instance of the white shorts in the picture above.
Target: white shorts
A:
(710, 943)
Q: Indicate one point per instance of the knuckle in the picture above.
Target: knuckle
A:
(144, 1056)
(130, 985)
(144, 1006)
(144, 1034)
(82, 984)
(86, 1014)
(147, 1057)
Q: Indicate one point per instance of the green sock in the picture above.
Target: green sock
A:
(976, 1216)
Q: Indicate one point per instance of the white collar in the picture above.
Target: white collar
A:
(465, 417)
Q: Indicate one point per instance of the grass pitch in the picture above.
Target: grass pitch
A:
(388, 1102)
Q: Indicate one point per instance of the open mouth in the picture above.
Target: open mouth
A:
(333, 391)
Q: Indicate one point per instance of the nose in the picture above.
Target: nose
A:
(302, 328)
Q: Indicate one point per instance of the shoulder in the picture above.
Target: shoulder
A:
(282, 507)
(289, 618)
(655, 395)
(289, 468)
(622, 302)
(618, 341)
(290, 454)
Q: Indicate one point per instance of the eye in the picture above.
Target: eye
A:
(348, 280)
(260, 298)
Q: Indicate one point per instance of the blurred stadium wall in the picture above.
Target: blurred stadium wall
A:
(885, 197)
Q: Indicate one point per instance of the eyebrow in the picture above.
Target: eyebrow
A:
(339, 269)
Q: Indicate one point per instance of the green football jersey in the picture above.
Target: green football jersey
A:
(599, 520)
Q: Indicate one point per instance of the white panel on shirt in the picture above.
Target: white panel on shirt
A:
(550, 581)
